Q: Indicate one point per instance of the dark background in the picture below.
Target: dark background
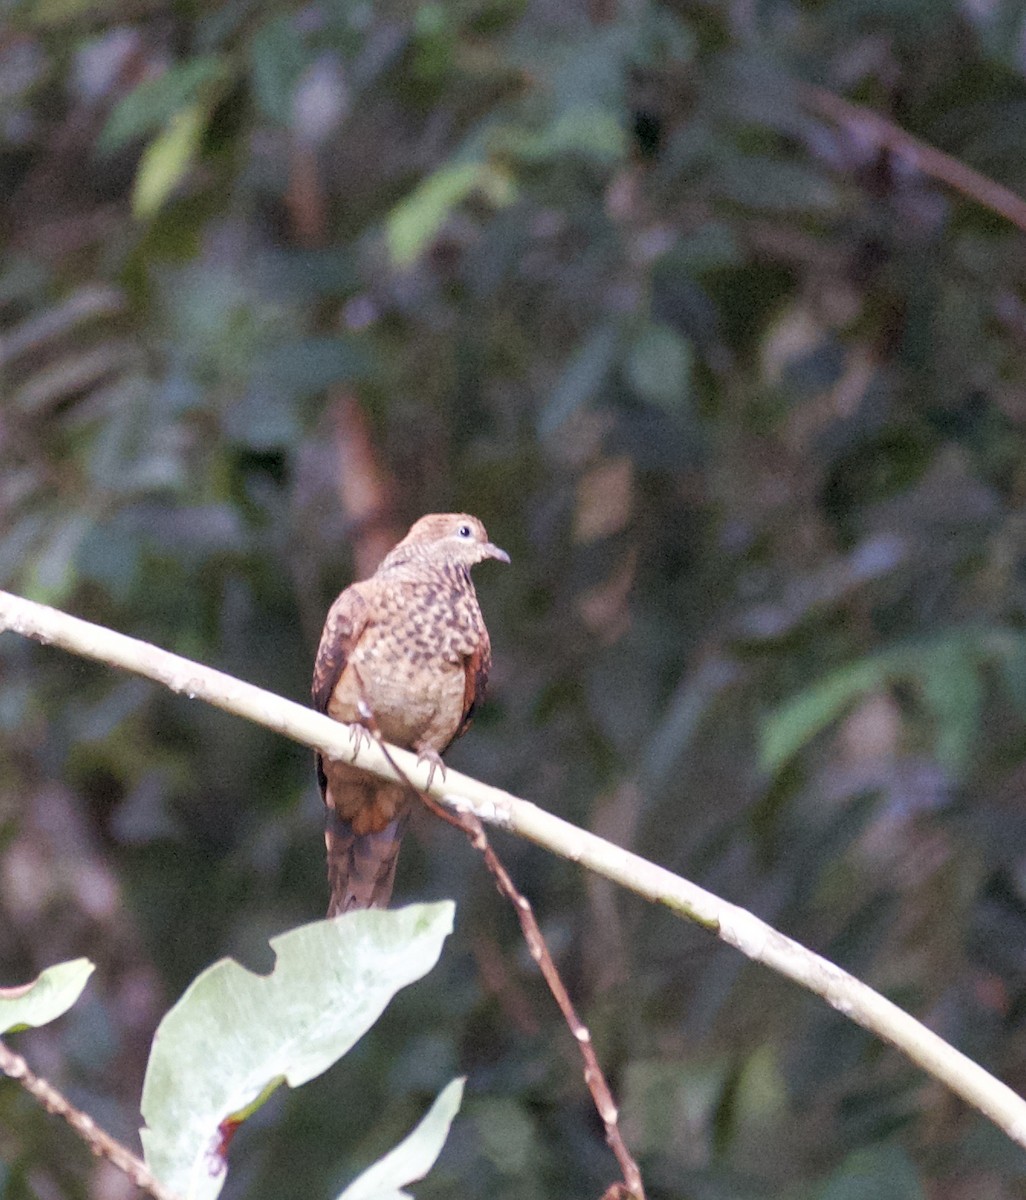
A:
(739, 388)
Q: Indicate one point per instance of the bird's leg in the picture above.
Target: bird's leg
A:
(358, 734)
(367, 729)
(425, 754)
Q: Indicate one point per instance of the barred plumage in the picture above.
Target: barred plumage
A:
(410, 642)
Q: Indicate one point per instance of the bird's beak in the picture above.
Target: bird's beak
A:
(492, 551)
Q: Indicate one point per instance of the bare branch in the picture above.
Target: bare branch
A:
(919, 155)
(739, 928)
(632, 1187)
(594, 1076)
(100, 1142)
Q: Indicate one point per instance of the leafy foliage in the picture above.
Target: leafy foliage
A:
(413, 1157)
(46, 998)
(739, 388)
(233, 1037)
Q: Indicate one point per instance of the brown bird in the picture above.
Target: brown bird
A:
(409, 646)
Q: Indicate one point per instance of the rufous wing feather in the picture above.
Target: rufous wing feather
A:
(476, 670)
(361, 855)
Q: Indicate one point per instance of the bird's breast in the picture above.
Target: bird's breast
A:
(409, 666)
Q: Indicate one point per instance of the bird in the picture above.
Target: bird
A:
(406, 654)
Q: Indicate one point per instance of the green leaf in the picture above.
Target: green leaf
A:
(56, 13)
(166, 160)
(797, 722)
(873, 1173)
(277, 59)
(413, 1157)
(506, 1136)
(234, 1036)
(709, 248)
(1008, 651)
(952, 691)
(55, 570)
(582, 377)
(415, 221)
(154, 102)
(46, 999)
(308, 365)
(673, 734)
(259, 419)
(945, 669)
(589, 130)
(659, 367)
(774, 185)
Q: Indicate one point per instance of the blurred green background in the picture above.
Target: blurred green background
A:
(739, 388)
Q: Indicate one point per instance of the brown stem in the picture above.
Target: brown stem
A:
(632, 1187)
(305, 198)
(100, 1142)
(920, 155)
(593, 1074)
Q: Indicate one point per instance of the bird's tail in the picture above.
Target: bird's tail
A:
(366, 819)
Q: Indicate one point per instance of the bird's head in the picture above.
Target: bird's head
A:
(458, 537)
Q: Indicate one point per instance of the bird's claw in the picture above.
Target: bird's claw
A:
(434, 761)
(358, 735)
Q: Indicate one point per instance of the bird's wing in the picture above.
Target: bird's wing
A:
(361, 850)
(476, 668)
(347, 618)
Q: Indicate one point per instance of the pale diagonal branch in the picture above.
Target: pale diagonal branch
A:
(753, 937)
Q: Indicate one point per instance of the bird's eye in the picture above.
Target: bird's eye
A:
(464, 531)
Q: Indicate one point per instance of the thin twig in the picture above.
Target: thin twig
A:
(918, 154)
(734, 925)
(594, 1076)
(98, 1140)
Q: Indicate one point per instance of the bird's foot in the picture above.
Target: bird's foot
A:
(358, 735)
(434, 761)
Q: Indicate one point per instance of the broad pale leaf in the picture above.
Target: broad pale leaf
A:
(413, 1157)
(46, 999)
(234, 1036)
